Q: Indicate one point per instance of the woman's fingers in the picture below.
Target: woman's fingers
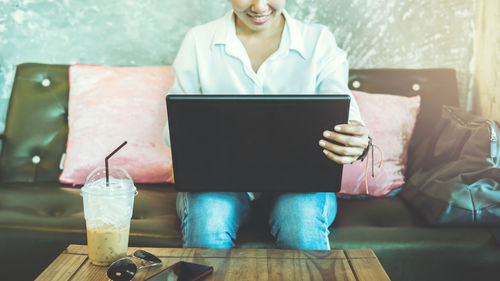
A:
(348, 140)
(352, 129)
(341, 150)
(346, 143)
(339, 159)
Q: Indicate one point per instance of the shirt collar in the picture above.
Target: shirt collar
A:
(226, 33)
(225, 29)
(295, 32)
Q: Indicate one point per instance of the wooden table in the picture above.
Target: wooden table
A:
(235, 264)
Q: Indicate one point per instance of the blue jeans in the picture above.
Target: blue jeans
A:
(296, 220)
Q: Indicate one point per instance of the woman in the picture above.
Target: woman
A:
(258, 48)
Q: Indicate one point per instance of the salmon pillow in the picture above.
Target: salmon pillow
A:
(390, 120)
(109, 105)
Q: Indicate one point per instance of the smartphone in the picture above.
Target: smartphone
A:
(182, 271)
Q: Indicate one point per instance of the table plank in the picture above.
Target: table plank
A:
(63, 267)
(88, 271)
(360, 253)
(342, 271)
(366, 265)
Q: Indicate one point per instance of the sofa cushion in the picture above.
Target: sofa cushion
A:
(59, 209)
(109, 105)
(390, 120)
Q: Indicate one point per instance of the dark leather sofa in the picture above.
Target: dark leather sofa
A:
(39, 216)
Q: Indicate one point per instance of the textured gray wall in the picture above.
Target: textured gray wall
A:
(376, 33)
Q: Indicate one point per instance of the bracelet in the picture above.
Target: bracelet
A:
(365, 152)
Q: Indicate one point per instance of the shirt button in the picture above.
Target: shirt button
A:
(356, 84)
(46, 82)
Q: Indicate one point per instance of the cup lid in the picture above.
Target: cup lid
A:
(120, 182)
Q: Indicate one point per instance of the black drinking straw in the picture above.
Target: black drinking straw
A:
(109, 156)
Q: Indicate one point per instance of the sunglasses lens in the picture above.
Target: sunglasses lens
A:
(146, 256)
(122, 270)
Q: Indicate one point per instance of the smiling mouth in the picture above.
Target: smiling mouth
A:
(258, 19)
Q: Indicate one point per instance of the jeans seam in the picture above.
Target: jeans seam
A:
(185, 212)
(325, 220)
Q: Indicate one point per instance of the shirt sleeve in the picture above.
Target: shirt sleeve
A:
(185, 65)
(186, 74)
(334, 74)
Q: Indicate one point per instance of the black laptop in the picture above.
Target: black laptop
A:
(254, 142)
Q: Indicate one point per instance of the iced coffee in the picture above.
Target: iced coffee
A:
(108, 204)
(106, 244)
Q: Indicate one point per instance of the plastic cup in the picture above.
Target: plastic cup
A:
(108, 210)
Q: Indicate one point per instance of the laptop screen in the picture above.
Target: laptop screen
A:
(254, 143)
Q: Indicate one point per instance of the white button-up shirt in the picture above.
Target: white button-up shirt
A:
(212, 60)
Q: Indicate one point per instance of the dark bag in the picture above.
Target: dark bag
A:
(454, 178)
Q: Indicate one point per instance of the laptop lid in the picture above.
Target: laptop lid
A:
(243, 143)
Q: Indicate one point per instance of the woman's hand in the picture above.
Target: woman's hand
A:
(351, 139)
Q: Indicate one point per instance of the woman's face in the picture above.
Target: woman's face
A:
(258, 15)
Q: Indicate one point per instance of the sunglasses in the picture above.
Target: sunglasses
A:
(125, 269)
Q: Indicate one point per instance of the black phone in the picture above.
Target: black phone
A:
(182, 271)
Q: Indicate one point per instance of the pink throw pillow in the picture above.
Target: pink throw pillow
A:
(390, 120)
(109, 105)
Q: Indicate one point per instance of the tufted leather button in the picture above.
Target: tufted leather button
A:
(35, 159)
(416, 87)
(46, 82)
(356, 84)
